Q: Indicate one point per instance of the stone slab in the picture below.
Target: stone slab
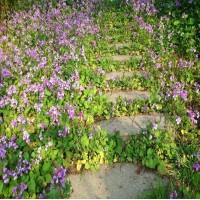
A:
(120, 45)
(121, 58)
(128, 125)
(119, 74)
(119, 181)
(133, 94)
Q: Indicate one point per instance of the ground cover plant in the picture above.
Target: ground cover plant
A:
(53, 61)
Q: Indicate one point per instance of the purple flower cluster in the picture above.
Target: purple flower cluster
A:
(193, 115)
(4, 145)
(55, 114)
(177, 90)
(70, 110)
(63, 133)
(26, 137)
(59, 177)
(40, 65)
(18, 191)
(143, 6)
(143, 25)
(23, 166)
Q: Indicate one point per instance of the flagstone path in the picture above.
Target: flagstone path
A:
(121, 180)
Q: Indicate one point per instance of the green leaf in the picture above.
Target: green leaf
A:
(150, 152)
(162, 167)
(54, 194)
(196, 179)
(27, 110)
(86, 104)
(26, 156)
(176, 22)
(192, 20)
(85, 141)
(1, 186)
(48, 178)
(150, 163)
(197, 196)
(46, 167)
(31, 186)
(47, 93)
(87, 166)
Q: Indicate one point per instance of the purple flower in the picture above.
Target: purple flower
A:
(197, 155)
(178, 4)
(23, 186)
(192, 115)
(71, 112)
(40, 136)
(90, 136)
(173, 195)
(14, 190)
(64, 132)
(26, 137)
(196, 166)
(5, 178)
(6, 73)
(14, 123)
(155, 126)
(38, 107)
(11, 90)
(184, 95)
(59, 176)
(55, 113)
(178, 120)
(21, 119)
(2, 151)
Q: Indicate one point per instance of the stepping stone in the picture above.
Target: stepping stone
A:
(119, 181)
(121, 58)
(119, 74)
(119, 45)
(133, 94)
(129, 124)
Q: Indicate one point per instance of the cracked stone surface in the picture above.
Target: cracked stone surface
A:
(119, 181)
(133, 94)
(128, 125)
(120, 45)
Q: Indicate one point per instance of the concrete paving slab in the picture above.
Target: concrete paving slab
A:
(119, 181)
(120, 45)
(119, 74)
(121, 58)
(128, 125)
(133, 94)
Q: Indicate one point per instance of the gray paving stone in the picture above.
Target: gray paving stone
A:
(119, 74)
(133, 94)
(120, 181)
(121, 58)
(128, 125)
(120, 45)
